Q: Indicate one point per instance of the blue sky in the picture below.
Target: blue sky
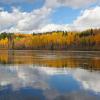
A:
(25, 6)
(63, 15)
(38, 15)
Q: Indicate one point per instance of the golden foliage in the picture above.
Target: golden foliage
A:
(86, 40)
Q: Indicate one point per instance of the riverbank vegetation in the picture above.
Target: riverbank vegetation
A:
(57, 40)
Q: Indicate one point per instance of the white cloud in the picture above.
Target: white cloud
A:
(34, 20)
(89, 18)
(54, 27)
(23, 21)
(53, 3)
(38, 20)
(69, 3)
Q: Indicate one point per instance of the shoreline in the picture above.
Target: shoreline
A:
(52, 50)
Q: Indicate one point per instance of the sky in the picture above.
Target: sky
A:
(28, 16)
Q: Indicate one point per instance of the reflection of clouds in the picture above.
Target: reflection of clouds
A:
(28, 75)
(22, 77)
(89, 80)
(76, 96)
(53, 71)
(37, 77)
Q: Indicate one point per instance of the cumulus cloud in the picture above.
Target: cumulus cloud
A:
(88, 19)
(53, 3)
(38, 20)
(69, 3)
(54, 27)
(23, 21)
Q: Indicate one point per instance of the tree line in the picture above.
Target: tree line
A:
(56, 40)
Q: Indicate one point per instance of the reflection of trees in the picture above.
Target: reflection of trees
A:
(3, 57)
(29, 57)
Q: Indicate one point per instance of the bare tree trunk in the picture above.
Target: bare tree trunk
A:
(11, 42)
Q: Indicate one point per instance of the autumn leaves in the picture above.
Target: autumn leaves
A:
(86, 40)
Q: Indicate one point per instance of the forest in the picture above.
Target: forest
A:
(56, 40)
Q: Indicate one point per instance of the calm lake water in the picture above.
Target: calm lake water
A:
(49, 75)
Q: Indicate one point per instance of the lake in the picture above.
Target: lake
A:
(49, 75)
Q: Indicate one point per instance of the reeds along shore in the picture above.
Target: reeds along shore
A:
(57, 40)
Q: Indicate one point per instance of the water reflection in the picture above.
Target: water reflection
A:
(86, 60)
(46, 75)
(45, 83)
